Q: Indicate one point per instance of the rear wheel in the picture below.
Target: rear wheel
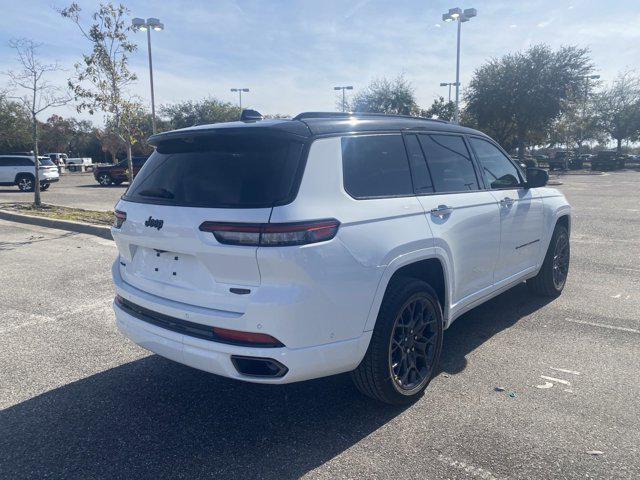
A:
(104, 179)
(405, 346)
(25, 183)
(552, 277)
(44, 186)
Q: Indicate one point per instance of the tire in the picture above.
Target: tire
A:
(104, 179)
(44, 187)
(72, 167)
(118, 182)
(552, 277)
(25, 182)
(379, 374)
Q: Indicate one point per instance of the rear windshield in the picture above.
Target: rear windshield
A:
(46, 161)
(219, 171)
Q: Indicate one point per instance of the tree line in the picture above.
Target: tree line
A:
(538, 97)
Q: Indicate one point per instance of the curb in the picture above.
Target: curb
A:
(69, 225)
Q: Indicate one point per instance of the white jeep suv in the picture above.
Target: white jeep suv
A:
(277, 251)
(20, 170)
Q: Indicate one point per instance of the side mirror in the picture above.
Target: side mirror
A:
(536, 177)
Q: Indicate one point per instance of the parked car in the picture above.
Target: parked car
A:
(565, 161)
(277, 251)
(58, 159)
(20, 170)
(607, 160)
(107, 174)
(75, 164)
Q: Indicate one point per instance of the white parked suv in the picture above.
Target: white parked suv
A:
(20, 170)
(277, 251)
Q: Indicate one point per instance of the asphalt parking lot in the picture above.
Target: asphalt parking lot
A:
(78, 400)
(77, 190)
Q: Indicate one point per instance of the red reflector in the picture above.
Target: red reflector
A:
(245, 337)
(272, 234)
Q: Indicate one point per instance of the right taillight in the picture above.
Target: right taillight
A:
(272, 234)
(119, 218)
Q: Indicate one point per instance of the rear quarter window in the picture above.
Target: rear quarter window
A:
(375, 166)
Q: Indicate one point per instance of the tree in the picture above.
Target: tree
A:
(103, 76)
(387, 96)
(619, 109)
(40, 93)
(190, 113)
(440, 109)
(15, 126)
(57, 133)
(517, 98)
(576, 125)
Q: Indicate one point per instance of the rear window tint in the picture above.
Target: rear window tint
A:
(46, 162)
(219, 171)
(375, 166)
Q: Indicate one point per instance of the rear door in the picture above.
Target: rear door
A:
(7, 171)
(464, 219)
(521, 212)
(220, 178)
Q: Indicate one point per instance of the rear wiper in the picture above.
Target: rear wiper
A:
(157, 192)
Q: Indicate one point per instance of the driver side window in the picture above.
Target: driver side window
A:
(498, 171)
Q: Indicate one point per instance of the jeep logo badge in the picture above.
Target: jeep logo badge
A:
(152, 222)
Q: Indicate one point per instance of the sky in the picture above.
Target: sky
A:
(291, 53)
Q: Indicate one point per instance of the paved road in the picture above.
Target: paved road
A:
(80, 401)
(73, 190)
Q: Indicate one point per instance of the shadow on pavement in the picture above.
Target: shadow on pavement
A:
(475, 327)
(153, 418)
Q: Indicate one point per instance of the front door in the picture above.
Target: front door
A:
(464, 220)
(521, 212)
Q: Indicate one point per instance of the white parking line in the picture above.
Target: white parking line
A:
(557, 380)
(572, 372)
(602, 325)
(471, 470)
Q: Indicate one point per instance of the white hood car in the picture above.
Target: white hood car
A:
(20, 170)
(277, 251)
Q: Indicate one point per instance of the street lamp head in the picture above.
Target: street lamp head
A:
(159, 27)
(138, 24)
(153, 22)
(234, 89)
(444, 84)
(349, 87)
(446, 17)
(455, 12)
(470, 12)
(245, 89)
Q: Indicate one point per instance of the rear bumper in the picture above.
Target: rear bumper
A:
(301, 363)
(214, 357)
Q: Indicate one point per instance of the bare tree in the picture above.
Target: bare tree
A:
(103, 76)
(39, 93)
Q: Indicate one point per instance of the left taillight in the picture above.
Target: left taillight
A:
(118, 218)
(272, 234)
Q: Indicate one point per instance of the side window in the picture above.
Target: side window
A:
(449, 162)
(6, 162)
(497, 169)
(23, 162)
(421, 179)
(375, 166)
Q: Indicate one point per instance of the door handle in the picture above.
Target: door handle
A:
(441, 211)
(506, 202)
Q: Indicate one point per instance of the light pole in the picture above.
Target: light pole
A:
(457, 15)
(586, 101)
(240, 90)
(344, 101)
(448, 84)
(148, 25)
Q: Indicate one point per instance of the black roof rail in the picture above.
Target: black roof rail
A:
(308, 115)
(249, 115)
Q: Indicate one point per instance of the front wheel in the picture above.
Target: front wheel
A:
(104, 179)
(405, 346)
(552, 277)
(44, 186)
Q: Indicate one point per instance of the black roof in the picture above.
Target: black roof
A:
(312, 124)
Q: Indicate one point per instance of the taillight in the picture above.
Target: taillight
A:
(272, 234)
(119, 218)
